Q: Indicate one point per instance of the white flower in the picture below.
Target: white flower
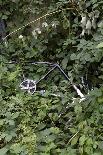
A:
(83, 21)
(44, 24)
(34, 33)
(88, 25)
(83, 32)
(38, 30)
(20, 37)
(94, 23)
(54, 25)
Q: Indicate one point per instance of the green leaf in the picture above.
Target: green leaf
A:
(1, 122)
(73, 56)
(74, 140)
(13, 75)
(54, 130)
(64, 62)
(0, 14)
(89, 141)
(11, 122)
(3, 151)
(8, 138)
(100, 145)
(89, 150)
(15, 115)
(96, 92)
(82, 140)
(16, 148)
(4, 17)
(66, 23)
(78, 109)
(100, 45)
(100, 100)
(97, 153)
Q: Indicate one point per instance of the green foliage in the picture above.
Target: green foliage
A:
(48, 125)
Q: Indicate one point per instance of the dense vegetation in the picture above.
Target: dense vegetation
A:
(47, 124)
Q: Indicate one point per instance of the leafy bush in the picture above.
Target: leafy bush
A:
(46, 124)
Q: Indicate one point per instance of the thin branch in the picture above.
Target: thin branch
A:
(48, 14)
(72, 137)
(46, 75)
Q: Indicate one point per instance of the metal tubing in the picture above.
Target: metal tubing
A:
(46, 74)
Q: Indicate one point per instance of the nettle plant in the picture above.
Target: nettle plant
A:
(69, 33)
